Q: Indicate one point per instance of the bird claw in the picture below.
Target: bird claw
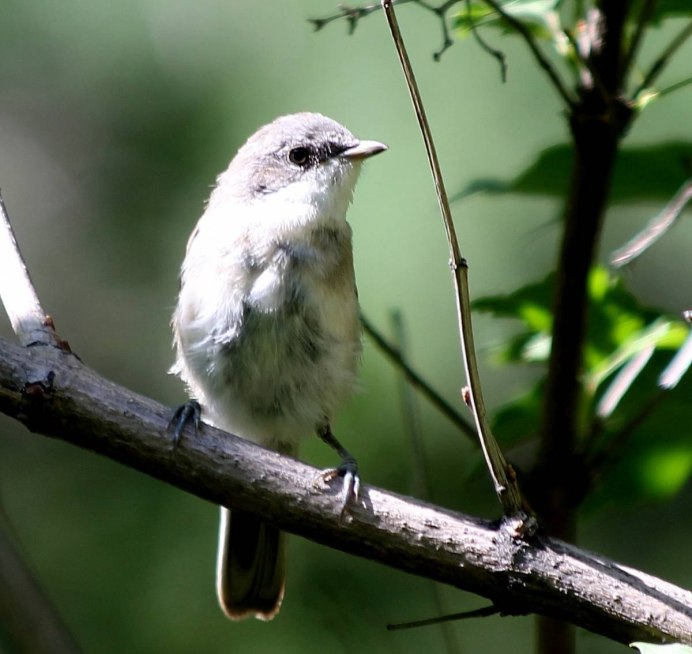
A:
(190, 412)
(350, 487)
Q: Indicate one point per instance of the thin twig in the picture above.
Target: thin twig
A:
(420, 483)
(655, 228)
(30, 621)
(352, 14)
(674, 87)
(645, 15)
(503, 478)
(660, 63)
(464, 615)
(411, 416)
(29, 321)
(441, 12)
(395, 356)
(541, 59)
(493, 52)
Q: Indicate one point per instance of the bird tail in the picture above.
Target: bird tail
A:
(250, 568)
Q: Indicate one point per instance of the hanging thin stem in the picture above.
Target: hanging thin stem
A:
(502, 475)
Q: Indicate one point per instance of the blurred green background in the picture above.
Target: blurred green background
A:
(115, 118)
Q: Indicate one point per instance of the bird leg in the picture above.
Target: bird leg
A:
(348, 469)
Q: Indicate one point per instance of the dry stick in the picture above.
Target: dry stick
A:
(503, 478)
(354, 13)
(29, 620)
(660, 63)
(493, 52)
(420, 485)
(420, 479)
(351, 14)
(645, 15)
(413, 378)
(29, 322)
(541, 59)
(675, 87)
(483, 612)
(654, 229)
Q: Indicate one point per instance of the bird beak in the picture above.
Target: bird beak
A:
(363, 150)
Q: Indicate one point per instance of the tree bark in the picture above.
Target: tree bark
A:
(52, 393)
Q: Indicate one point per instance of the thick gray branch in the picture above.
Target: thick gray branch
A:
(52, 393)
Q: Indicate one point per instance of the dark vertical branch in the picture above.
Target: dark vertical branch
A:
(612, 56)
(597, 122)
(595, 148)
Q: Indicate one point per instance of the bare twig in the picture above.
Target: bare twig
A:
(674, 87)
(421, 484)
(55, 394)
(654, 229)
(503, 478)
(352, 14)
(441, 12)
(493, 52)
(411, 417)
(29, 322)
(662, 61)
(647, 10)
(540, 58)
(395, 356)
(597, 125)
(26, 614)
(464, 615)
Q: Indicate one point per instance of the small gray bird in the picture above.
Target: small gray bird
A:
(266, 328)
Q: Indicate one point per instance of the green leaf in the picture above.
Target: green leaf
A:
(547, 175)
(521, 348)
(653, 461)
(661, 334)
(641, 173)
(666, 470)
(618, 328)
(539, 16)
(672, 9)
(531, 305)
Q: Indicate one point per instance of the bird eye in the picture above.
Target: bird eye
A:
(299, 156)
